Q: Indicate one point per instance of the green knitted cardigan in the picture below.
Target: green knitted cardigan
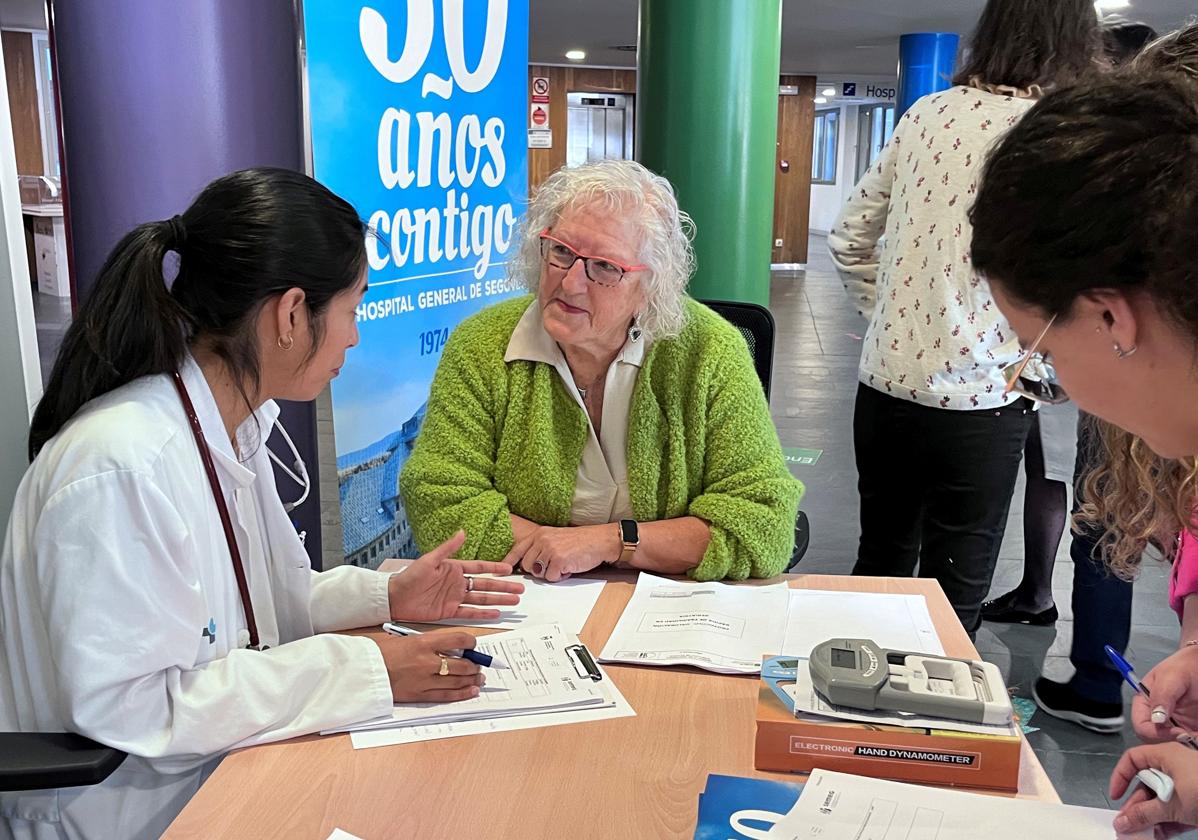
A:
(506, 437)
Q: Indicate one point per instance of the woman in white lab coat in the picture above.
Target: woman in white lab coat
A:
(148, 552)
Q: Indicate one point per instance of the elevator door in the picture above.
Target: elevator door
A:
(598, 127)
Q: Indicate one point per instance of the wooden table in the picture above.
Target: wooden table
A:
(636, 777)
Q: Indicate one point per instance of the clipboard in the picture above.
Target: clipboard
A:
(583, 662)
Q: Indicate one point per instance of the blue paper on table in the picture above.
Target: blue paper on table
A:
(736, 808)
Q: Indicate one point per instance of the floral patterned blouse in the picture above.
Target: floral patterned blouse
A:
(901, 245)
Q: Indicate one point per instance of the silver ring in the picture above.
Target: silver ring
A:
(469, 583)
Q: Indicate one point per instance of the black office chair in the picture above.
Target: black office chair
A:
(44, 760)
(756, 324)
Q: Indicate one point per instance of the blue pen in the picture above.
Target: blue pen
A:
(480, 659)
(1129, 675)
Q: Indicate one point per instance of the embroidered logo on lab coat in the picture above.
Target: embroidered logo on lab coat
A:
(209, 632)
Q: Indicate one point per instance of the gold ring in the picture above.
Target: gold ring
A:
(444, 672)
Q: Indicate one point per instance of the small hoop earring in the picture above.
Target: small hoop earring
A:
(285, 345)
(1123, 354)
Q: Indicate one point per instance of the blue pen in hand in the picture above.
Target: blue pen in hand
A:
(480, 659)
(1129, 675)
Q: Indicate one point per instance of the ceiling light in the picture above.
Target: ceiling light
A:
(821, 100)
(576, 55)
(828, 92)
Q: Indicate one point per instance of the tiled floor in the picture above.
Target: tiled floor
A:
(815, 362)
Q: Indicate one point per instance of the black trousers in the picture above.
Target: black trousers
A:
(935, 490)
(1101, 603)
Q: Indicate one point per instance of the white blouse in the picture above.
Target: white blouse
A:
(902, 247)
(601, 488)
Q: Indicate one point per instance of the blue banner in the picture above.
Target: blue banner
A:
(417, 118)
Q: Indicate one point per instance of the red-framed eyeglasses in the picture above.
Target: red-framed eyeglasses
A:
(602, 270)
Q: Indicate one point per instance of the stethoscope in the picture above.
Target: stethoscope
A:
(300, 476)
(297, 472)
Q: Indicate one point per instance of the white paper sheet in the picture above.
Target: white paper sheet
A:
(897, 622)
(715, 626)
(837, 806)
(567, 603)
(339, 834)
(808, 700)
(615, 707)
(727, 629)
(541, 678)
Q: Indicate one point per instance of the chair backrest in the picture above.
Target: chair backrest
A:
(756, 324)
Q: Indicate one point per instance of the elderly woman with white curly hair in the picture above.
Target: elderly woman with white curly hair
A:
(607, 418)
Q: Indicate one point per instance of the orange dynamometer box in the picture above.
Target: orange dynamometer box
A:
(792, 744)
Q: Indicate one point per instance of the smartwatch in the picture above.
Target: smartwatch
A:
(631, 538)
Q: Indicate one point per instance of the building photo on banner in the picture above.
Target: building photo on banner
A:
(417, 116)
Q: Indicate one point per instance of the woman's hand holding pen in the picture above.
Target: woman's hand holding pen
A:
(436, 587)
(422, 672)
(1173, 685)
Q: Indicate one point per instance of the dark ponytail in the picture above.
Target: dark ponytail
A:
(248, 237)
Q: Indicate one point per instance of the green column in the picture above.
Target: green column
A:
(707, 119)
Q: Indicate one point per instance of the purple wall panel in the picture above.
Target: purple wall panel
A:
(160, 97)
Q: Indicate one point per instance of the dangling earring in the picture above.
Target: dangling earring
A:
(1123, 354)
(634, 332)
(286, 344)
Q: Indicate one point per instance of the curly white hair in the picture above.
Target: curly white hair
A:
(627, 189)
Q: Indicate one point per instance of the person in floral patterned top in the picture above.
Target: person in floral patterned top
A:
(937, 441)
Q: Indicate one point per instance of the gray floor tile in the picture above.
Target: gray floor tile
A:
(1080, 779)
(1039, 641)
(1151, 643)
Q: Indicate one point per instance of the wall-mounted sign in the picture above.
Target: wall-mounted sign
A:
(540, 138)
(538, 115)
(788, 90)
(858, 88)
(540, 88)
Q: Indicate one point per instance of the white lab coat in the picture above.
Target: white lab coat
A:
(114, 571)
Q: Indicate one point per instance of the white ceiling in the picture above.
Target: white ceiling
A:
(818, 36)
(23, 14)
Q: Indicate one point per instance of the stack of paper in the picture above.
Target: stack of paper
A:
(716, 626)
(728, 629)
(547, 684)
(894, 622)
(836, 806)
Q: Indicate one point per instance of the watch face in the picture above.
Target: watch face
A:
(629, 532)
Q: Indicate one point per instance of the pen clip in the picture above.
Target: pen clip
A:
(583, 662)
